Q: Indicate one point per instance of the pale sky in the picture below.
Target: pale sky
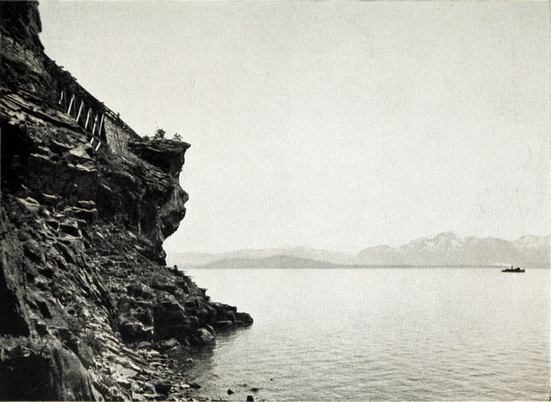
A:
(336, 125)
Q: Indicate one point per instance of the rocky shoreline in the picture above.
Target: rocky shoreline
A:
(89, 310)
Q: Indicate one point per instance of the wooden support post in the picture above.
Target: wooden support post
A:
(70, 104)
(92, 141)
(100, 125)
(80, 110)
(61, 97)
(87, 118)
(94, 127)
(97, 147)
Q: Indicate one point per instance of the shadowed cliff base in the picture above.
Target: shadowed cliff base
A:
(88, 307)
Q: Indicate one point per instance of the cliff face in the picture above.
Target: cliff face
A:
(88, 308)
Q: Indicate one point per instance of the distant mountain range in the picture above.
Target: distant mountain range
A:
(449, 249)
(276, 261)
(443, 249)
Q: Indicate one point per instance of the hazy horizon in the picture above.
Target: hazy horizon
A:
(351, 253)
(332, 125)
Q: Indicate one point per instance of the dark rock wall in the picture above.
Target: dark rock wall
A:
(88, 307)
(118, 135)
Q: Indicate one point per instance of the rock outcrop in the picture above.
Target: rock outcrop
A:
(87, 306)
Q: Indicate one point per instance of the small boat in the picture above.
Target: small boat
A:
(517, 269)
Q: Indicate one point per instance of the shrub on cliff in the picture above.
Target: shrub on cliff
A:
(159, 134)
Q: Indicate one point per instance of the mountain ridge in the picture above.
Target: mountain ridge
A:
(443, 249)
(278, 261)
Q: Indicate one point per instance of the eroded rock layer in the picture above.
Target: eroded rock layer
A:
(88, 308)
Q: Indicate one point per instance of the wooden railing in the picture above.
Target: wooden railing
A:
(92, 124)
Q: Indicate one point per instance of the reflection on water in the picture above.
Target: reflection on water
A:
(380, 334)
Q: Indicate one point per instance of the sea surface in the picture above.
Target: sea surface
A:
(392, 334)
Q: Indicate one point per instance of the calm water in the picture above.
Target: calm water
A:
(381, 334)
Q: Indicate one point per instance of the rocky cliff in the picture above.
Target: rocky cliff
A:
(88, 308)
